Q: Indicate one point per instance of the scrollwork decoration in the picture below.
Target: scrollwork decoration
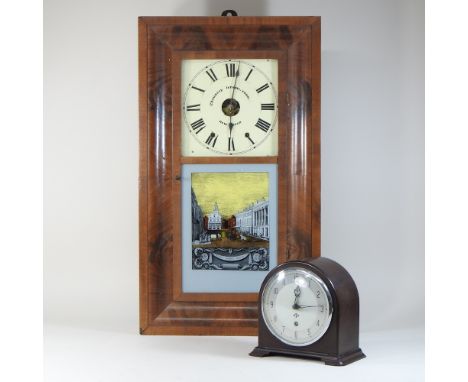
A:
(241, 259)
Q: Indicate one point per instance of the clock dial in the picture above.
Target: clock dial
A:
(296, 306)
(229, 107)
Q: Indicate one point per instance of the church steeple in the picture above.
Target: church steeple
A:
(214, 219)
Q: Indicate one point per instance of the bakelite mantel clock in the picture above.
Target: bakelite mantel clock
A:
(309, 309)
(229, 165)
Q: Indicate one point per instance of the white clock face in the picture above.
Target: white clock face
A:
(229, 107)
(296, 306)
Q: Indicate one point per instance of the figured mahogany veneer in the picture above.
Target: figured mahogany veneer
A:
(163, 43)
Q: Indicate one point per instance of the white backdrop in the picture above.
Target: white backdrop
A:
(372, 153)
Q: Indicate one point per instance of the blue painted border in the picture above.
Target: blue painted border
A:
(214, 281)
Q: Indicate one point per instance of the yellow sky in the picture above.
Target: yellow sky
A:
(233, 191)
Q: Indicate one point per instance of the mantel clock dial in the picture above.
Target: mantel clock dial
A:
(297, 306)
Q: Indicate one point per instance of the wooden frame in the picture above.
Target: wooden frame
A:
(163, 42)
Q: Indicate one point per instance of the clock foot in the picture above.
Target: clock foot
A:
(259, 352)
(345, 359)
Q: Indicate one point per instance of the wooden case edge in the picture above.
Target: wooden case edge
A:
(159, 312)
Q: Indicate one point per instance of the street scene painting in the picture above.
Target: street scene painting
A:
(230, 221)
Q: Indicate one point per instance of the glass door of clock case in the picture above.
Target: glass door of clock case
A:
(229, 109)
(229, 226)
(228, 121)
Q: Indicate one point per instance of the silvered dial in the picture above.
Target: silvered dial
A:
(296, 306)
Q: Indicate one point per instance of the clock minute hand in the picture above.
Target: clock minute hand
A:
(310, 306)
(231, 125)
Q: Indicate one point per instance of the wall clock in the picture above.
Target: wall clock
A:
(309, 309)
(229, 165)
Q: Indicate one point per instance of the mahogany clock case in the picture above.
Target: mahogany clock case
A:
(339, 345)
(163, 43)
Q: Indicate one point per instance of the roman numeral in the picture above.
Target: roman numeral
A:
(211, 74)
(231, 70)
(211, 140)
(198, 125)
(262, 125)
(193, 107)
(268, 106)
(248, 75)
(247, 135)
(231, 144)
(262, 88)
(200, 90)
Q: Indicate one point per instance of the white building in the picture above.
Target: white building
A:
(214, 219)
(244, 221)
(254, 220)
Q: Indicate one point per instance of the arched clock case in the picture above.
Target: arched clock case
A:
(338, 343)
